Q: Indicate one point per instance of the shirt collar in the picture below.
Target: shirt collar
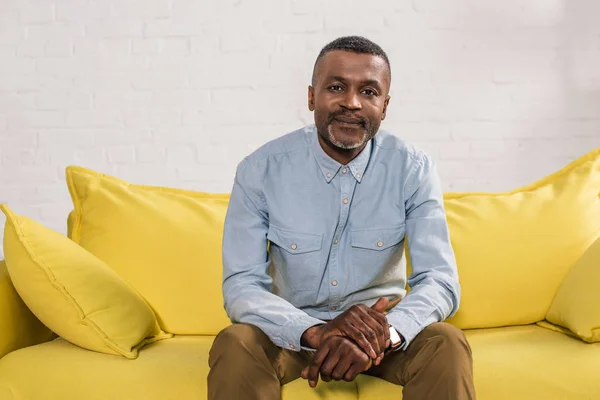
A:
(330, 168)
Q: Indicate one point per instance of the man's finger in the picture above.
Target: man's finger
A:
(381, 304)
(329, 364)
(361, 340)
(374, 332)
(341, 368)
(315, 364)
(382, 320)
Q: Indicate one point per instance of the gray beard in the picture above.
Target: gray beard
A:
(346, 146)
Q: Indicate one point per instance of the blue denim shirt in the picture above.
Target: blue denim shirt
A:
(306, 237)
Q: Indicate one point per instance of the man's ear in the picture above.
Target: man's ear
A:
(385, 105)
(311, 98)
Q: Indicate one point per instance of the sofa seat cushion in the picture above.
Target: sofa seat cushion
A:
(510, 363)
(58, 370)
(531, 362)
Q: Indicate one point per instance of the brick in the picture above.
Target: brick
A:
(118, 137)
(28, 174)
(153, 118)
(494, 149)
(144, 46)
(55, 30)
(121, 155)
(150, 153)
(121, 100)
(296, 24)
(226, 72)
(104, 80)
(156, 80)
(90, 156)
(57, 138)
(185, 26)
(13, 138)
(31, 48)
(63, 100)
(58, 48)
(49, 193)
(175, 46)
(114, 29)
(131, 9)
(36, 119)
(82, 11)
(342, 21)
(94, 119)
(206, 44)
(16, 101)
(33, 157)
(250, 42)
(148, 174)
(181, 154)
(36, 14)
(181, 99)
(11, 29)
(102, 47)
(16, 65)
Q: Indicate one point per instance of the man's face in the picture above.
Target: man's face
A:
(349, 98)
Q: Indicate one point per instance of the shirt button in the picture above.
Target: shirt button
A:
(329, 174)
(357, 176)
(380, 244)
(294, 246)
(345, 201)
(336, 241)
(344, 170)
(333, 308)
(334, 282)
(292, 346)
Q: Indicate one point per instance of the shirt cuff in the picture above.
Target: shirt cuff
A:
(291, 332)
(405, 325)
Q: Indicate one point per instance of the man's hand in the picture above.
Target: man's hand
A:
(366, 326)
(337, 358)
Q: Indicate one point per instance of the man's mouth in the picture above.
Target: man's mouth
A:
(350, 121)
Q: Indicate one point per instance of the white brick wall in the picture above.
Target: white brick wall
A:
(176, 92)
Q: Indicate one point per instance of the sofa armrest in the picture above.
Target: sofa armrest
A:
(18, 326)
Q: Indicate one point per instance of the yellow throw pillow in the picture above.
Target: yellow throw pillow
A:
(514, 249)
(577, 303)
(165, 242)
(73, 293)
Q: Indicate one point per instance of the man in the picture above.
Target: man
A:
(328, 207)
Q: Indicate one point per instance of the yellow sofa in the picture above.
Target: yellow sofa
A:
(515, 251)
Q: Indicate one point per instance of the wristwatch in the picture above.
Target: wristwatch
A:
(395, 339)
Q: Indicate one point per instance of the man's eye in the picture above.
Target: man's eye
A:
(369, 92)
(335, 88)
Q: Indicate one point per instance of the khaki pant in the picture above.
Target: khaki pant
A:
(245, 364)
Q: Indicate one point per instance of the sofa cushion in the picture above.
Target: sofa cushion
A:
(20, 328)
(515, 248)
(170, 369)
(509, 363)
(73, 293)
(577, 303)
(165, 242)
(530, 362)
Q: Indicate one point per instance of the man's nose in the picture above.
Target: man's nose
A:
(351, 101)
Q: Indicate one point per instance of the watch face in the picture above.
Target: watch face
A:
(394, 337)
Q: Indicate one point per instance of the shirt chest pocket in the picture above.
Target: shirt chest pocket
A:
(377, 252)
(297, 257)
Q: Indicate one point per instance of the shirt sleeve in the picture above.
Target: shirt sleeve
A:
(435, 289)
(247, 285)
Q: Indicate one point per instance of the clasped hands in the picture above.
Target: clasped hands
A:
(349, 344)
